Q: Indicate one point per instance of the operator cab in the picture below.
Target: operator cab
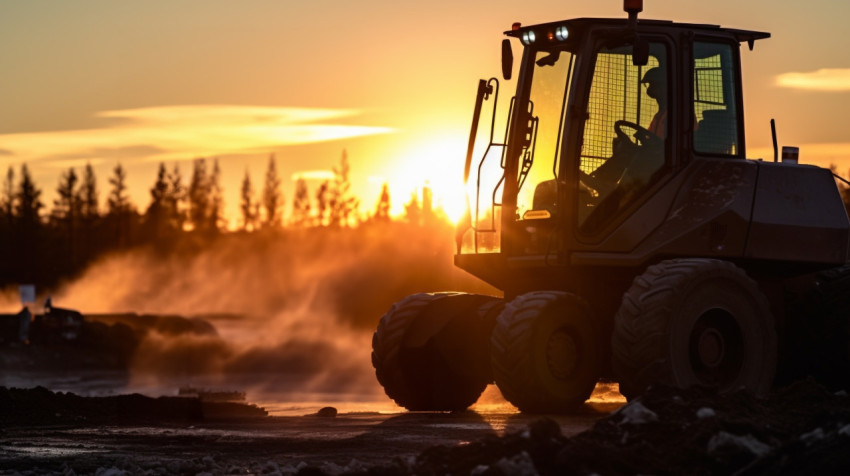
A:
(606, 112)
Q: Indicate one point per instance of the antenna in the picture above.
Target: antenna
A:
(773, 133)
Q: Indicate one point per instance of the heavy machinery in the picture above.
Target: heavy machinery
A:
(630, 233)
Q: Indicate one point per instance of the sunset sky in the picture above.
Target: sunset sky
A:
(144, 82)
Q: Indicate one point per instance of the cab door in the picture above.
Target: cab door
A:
(626, 136)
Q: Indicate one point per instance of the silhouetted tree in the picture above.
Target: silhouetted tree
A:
(26, 258)
(412, 210)
(67, 206)
(119, 210)
(342, 204)
(199, 196)
(64, 218)
(248, 207)
(176, 199)
(322, 203)
(428, 215)
(272, 197)
(7, 202)
(87, 196)
(215, 217)
(382, 211)
(7, 225)
(156, 224)
(301, 204)
(28, 203)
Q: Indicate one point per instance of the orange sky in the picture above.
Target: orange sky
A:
(142, 82)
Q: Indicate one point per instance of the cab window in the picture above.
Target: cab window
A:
(714, 107)
(626, 133)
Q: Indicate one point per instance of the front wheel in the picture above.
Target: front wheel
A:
(430, 351)
(545, 352)
(691, 322)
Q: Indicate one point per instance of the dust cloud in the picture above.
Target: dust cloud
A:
(294, 312)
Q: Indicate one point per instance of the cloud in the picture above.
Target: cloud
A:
(186, 132)
(118, 153)
(827, 79)
(313, 175)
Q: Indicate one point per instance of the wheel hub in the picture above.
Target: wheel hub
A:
(711, 347)
(716, 348)
(562, 354)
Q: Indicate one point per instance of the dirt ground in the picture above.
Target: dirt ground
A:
(801, 429)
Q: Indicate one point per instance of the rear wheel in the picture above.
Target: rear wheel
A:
(430, 351)
(694, 322)
(545, 352)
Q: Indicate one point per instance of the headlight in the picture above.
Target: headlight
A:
(561, 33)
(528, 37)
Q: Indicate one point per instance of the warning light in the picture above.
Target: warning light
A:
(633, 6)
(516, 26)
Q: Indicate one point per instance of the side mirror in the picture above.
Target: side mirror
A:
(640, 53)
(507, 59)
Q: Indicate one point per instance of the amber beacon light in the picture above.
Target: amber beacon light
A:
(633, 6)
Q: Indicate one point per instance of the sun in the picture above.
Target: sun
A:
(436, 163)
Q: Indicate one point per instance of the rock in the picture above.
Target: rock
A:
(327, 412)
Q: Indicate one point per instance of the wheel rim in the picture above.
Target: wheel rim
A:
(716, 348)
(562, 354)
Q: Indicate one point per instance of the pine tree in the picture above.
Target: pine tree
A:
(7, 205)
(28, 254)
(301, 204)
(119, 214)
(156, 216)
(342, 204)
(88, 197)
(215, 215)
(272, 197)
(428, 215)
(175, 199)
(66, 208)
(118, 203)
(247, 205)
(199, 196)
(28, 203)
(412, 210)
(382, 211)
(322, 203)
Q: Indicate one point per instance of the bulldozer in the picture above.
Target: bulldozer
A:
(631, 235)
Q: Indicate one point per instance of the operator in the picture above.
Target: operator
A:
(657, 89)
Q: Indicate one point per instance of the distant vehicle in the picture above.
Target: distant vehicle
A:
(631, 236)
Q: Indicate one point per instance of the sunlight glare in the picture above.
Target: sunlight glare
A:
(436, 163)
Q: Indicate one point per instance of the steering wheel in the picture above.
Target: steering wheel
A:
(641, 134)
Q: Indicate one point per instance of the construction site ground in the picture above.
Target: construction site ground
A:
(801, 429)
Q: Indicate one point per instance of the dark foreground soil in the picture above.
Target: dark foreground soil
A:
(801, 429)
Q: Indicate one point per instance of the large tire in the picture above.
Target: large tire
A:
(430, 351)
(545, 352)
(688, 322)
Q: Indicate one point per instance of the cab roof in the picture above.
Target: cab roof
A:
(577, 26)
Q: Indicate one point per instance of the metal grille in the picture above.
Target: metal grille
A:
(615, 94)
(716, 130)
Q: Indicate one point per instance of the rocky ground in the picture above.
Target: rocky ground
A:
(801, 429)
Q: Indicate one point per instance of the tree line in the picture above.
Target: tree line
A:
(44, 246)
